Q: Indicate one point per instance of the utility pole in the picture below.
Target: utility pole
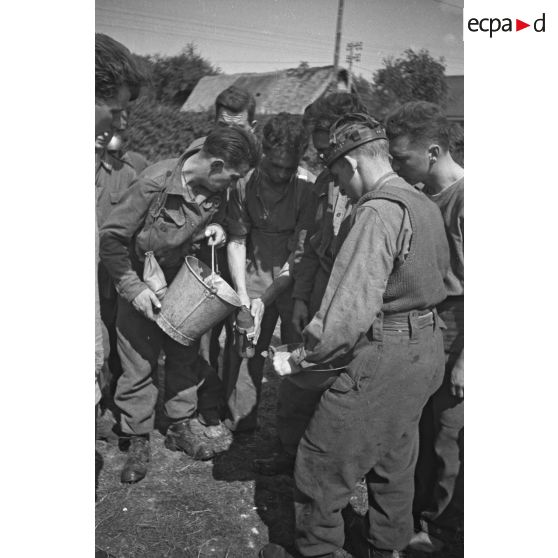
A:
(354, 49)
(338, 39)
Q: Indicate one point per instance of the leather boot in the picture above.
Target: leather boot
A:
(135, 467)
(278, 464)
(220, 437)
(188, 436)
(355, 538)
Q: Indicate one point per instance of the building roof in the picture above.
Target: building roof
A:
(454, 104)
(289, 90)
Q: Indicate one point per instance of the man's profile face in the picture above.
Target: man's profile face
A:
(280, 165)
(411, 161)
(240, 119)
(222, 176)
(110, 116)
(348, 177)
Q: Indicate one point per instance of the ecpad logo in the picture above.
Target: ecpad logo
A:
(494, 24)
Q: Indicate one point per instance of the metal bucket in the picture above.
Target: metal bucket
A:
(195, 301)
(315, 378)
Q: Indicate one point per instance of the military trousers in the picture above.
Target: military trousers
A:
(140, 342)
(366, 425)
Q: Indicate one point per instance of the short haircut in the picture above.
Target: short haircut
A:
(423, 122)
(115, 66)
(285, 131)
(377, 148)
(233, 144)
(236, 100)
(322, 114)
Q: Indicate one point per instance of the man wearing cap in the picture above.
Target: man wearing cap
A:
(165, 214)
(378, 319)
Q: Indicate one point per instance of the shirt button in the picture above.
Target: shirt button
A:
(169, 173)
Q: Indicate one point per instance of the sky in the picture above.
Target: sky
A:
(265, 35)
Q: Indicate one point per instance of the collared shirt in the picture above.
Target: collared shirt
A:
(272, 222)
(379, 239)
(328, 213)
(156, 214)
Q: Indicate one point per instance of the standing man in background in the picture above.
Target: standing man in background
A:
(118, 80)
(420, 138)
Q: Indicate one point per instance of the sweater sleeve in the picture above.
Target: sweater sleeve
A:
(354, 294)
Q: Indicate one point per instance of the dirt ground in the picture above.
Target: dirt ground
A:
(192, 509)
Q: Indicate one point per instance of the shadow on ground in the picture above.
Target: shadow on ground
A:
(192, 509)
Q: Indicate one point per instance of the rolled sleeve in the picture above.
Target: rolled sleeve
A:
(118, 231)
(237, 221)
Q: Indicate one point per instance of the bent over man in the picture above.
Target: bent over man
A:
(377, 317)
(164, 215)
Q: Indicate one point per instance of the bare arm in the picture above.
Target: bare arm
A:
(236, 254)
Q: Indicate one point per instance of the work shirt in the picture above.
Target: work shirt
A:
(379, 239)
(451, 204)
(272, 222)
(159, 214)
(329, 213)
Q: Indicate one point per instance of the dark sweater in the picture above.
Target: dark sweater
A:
(418, 282)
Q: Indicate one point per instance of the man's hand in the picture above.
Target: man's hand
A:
(282, 364)
(457, 380)
(216, 235)
(147, 304)
(257, 309)
(300, 315)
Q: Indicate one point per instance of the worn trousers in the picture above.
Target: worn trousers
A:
(242, 378)
(140, 341)
(442, 451)
(366, 425)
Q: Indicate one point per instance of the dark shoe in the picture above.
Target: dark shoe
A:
(135, 467)
(198, 441)
(278, 464)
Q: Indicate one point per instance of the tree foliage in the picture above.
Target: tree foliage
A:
(174, 77)
(159, 131)
(415, 76)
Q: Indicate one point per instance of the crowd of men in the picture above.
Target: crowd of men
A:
(363, 265)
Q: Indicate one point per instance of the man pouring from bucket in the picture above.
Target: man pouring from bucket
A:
(160, 217)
